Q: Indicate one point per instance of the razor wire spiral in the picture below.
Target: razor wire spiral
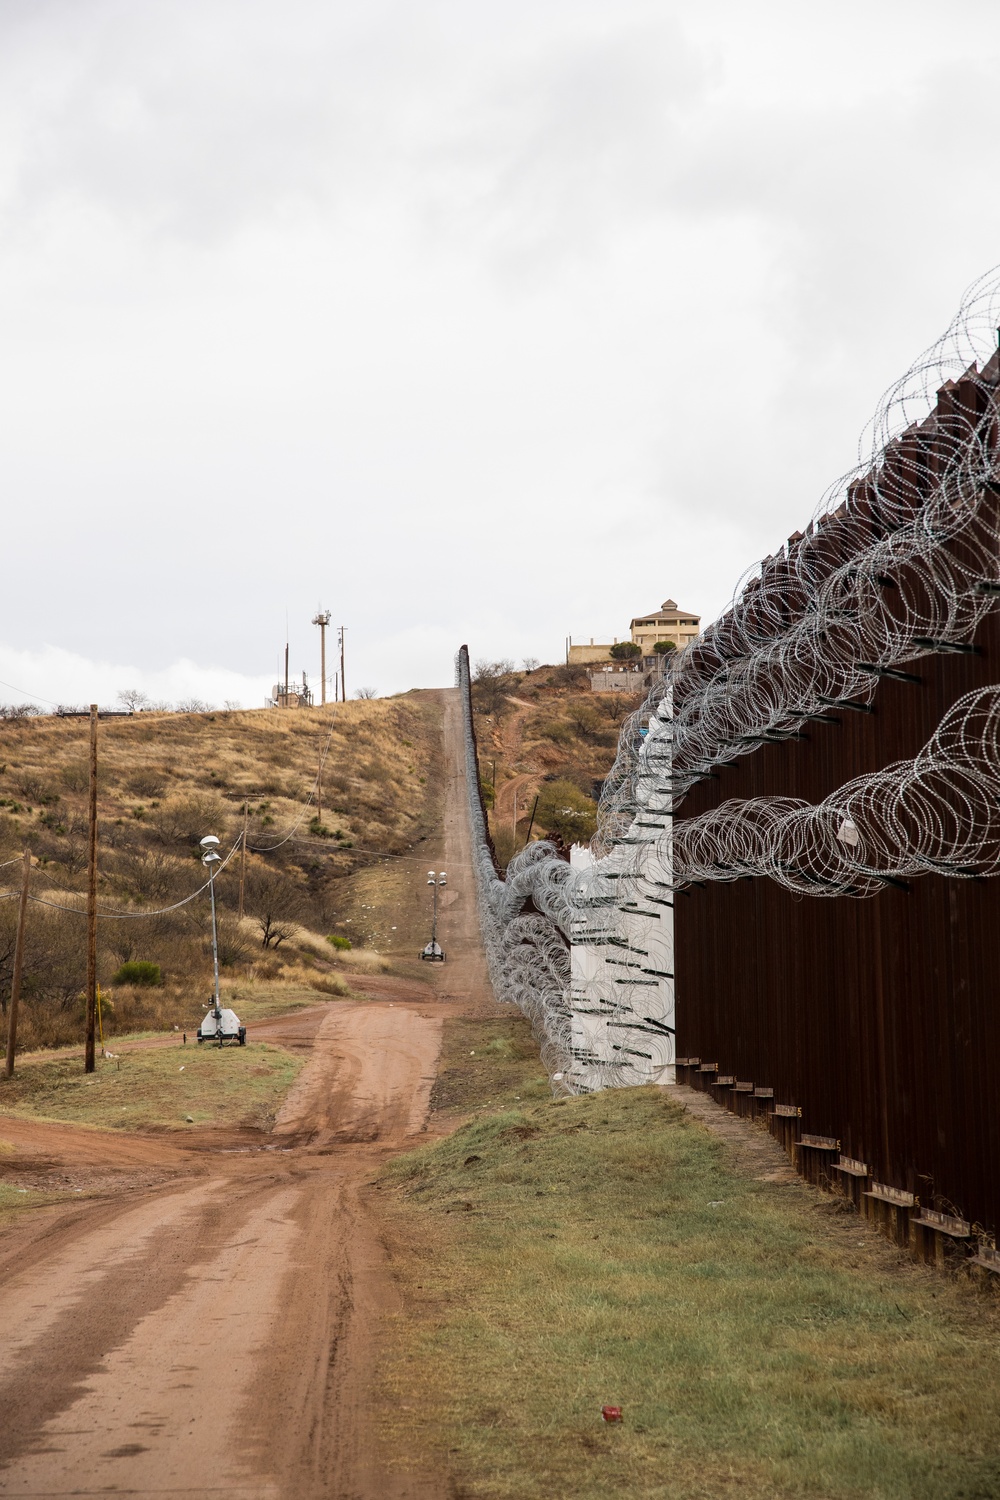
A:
(531, 921)
(900, 560)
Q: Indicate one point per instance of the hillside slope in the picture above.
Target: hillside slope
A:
(545, 734)
(166, 780)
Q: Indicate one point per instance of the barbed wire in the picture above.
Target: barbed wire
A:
(533, 918)
(898, 562)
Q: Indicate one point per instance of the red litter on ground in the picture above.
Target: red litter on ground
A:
(611, 1413)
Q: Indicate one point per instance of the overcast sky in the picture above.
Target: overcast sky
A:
(467, 321)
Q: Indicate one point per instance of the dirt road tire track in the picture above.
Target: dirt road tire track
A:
(214, 1332)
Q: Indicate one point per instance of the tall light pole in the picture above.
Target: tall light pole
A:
(210, 859)
(433, 951)
(322, 619)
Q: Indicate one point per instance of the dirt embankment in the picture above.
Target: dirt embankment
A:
(205, 1321)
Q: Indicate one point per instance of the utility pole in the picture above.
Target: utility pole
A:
(319, 792)
(243, 854)
(286, 674)
(343, 684)
(531, 822)
(88, 1055)
(15, 982)
(322, 619)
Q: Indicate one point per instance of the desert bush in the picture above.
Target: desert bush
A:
(556, 730)
(329, 984)
(274, 901)
(574, 678)
(18, 712)
(138, 972)
(185, 820)
(35, 789)
(236, 945)
(342, 944)
(146, 782)
(75, 775)
(567, 812)
(148, 874)
(585, 717)
(491, 682)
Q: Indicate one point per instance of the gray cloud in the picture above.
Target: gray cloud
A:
(471, 321)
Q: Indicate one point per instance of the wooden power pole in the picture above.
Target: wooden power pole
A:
(15, 982)
(343, 684)
(88, 1055)
(322, 619)
(243, 854)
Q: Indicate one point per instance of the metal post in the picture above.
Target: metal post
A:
(434, 920)
(15, 982)
(319, 792)
(88, 1051)
(215, 951)
(322, 619)
(343, 680)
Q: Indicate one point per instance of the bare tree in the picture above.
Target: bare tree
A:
(530, 663)
(491, 682)
(133, 699)
(19, 710)
(366, 692)
(274, 901)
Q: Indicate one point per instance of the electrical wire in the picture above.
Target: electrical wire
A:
(270, 848)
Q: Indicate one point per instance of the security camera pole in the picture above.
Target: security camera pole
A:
(210, 859)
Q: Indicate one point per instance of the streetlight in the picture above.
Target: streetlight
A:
(210, 859)
(434, 953)
(219, 1025)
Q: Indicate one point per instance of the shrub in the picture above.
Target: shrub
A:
(340, 943)
(329, 984)
(138, 971)
(566, 811)
(625, 650)
(556, 730)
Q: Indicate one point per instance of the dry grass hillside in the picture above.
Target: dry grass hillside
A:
(166, 780)
(545, 734)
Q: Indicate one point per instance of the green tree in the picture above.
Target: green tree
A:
(625, 650)
(567, 812)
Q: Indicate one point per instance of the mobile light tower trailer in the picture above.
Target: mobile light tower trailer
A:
(434, 953)
(218, 1025)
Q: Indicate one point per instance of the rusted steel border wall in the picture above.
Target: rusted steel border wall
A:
(879, 1018)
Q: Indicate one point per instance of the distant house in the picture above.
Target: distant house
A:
(668, 623)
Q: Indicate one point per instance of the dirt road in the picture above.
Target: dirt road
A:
(212, 1333)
